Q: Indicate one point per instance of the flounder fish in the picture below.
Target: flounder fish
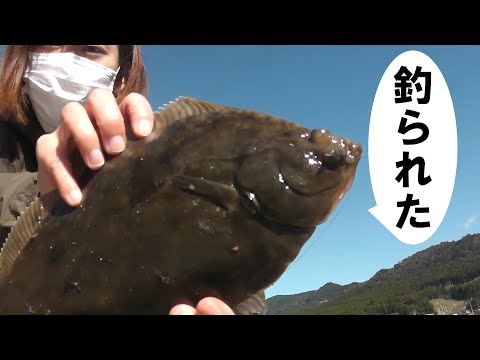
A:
(217, 201)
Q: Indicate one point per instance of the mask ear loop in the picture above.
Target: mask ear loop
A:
(121, 86)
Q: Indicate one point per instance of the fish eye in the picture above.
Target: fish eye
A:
(334, 159)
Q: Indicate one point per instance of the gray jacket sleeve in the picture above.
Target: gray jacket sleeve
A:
(18, 179)
(17, 191)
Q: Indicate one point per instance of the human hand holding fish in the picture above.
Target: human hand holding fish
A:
(206, 306)
(100, 123)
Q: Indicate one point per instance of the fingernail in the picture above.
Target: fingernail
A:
(75, 197)
(176, 312)
(215, 309)
(96, 158)
(182, 310)
(144, 127)
(116, 144)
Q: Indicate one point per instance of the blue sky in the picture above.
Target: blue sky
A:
(331, 87)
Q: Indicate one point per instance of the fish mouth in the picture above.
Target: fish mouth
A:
(303, 191)
(316, 183)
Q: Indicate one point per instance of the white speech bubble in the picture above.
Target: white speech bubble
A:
(386, 147)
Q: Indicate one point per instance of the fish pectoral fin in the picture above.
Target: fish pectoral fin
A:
(255, 304)
(223, 195)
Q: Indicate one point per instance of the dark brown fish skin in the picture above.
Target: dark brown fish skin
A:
(140, 244)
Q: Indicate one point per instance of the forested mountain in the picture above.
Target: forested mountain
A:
(444, 278)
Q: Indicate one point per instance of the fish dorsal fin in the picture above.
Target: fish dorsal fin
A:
(25, 228)
(255, 304)
(180, 108)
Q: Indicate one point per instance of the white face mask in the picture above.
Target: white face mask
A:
(54, 79)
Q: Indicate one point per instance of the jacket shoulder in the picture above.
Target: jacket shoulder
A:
(17, 151)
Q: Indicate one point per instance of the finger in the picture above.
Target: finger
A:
(213, 306)
(182, 309)
(136, 109)
(54, 169)
(102, 107)
(76, 124)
